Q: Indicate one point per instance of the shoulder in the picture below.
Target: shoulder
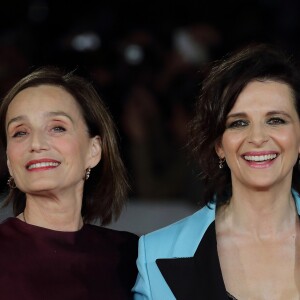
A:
(200, 219)
(113, 236)
(297, 200)
(121, 244)
(11, 226)
(8, 222)
(180, 238)
(121, 247)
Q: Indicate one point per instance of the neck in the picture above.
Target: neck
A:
(53, 214)
(259, 213)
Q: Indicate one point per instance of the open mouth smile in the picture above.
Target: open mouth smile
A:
(260, 158)
(42, 165)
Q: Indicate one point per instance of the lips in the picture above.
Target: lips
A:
(42, 164)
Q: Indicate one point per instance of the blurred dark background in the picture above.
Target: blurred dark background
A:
(147, 60)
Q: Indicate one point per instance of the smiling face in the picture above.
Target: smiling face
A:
(48, 145)
(261, 142)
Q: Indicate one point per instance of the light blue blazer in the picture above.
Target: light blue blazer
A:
(170, 258)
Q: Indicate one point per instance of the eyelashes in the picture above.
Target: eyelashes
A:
(19, 134)
(24, 132)
(237, 124)
(58, 129)
(276, 121)
(240, 123)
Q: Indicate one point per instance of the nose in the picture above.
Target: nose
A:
(258, 135)
(38, 142)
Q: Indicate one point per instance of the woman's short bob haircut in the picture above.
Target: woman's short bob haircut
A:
(106, 189)
(219, 92)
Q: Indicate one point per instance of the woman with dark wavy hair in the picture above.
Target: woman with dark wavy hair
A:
(64, 171)
(245, 241)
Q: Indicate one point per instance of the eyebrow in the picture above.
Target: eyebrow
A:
(59, 113)
(16, 119)
(269, 113)
(48, 114)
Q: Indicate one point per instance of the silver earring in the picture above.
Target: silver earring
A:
(11, 182)
(87, 173)
(221, 162)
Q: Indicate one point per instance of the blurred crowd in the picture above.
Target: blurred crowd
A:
(148, 69)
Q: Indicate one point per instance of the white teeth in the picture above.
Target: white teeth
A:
(260, 157)
(43, 164)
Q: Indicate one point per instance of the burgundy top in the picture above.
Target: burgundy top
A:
(39, 263)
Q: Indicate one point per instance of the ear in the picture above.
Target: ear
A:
(219, 149)
(9, 167)
(95, 151)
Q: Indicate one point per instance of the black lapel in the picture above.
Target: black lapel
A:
(197, 277)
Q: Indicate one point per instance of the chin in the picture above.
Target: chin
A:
(36, 188)
(263, 186)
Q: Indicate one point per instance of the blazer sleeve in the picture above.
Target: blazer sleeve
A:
(141, 288)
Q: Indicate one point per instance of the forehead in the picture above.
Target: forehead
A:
(43, 98)
(273, 94)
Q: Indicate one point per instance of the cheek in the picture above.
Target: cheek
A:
(14, 152)
(71, 149)
(66, 151)
(14, 157)
(288, 140)
(231, 142)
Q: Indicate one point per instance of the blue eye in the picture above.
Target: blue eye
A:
(58, 129)
(276, 121)
(19, 134)
(237, 124)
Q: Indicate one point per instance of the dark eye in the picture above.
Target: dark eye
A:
(237, 124)
(276, 121)
(19, 134)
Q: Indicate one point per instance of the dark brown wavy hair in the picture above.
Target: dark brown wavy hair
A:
(106, 189)
(219, 92)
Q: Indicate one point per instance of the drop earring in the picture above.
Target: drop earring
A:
(87, 173)
(221, 162)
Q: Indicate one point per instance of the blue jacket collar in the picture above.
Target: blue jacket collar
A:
(200, 276)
